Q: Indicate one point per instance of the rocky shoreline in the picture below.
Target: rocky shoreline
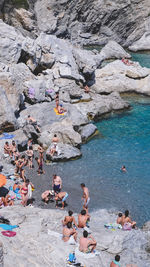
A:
(41, 55)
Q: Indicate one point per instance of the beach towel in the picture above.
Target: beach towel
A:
(113, 226)
(8, 227)
(8, 233)
(7, 136)
(57, 113)
(85, 255)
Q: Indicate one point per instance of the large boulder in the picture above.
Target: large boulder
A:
(13, 79)
(142, 44)
(65, 132)
(118, 77)
(87, 131)
(65, 152)
(8, 120)
(101, 105)
(113, 50)
(10, 43)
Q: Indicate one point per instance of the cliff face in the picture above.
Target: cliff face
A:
(86, 21)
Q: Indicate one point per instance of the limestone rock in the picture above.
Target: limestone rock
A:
(8, 121)
(118, 77)
(65, 152)
(142, 44)
(10, 43)
(113, 50)
(25, 18)
(87, 131)
(65, 132)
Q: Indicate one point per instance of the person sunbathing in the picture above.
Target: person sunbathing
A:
(87, 244)
(120, 218)
(69, 233)
(127, 220)
(69, 218)
(83, 219)
(60, 109)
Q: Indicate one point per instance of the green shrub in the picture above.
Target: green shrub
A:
(20, 3)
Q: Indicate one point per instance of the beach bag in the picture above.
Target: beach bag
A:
(127, 227)
(72, 257)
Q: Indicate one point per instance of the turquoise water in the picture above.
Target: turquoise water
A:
(124, 140)
(142, 58)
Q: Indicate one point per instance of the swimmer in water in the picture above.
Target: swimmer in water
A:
(123, 168)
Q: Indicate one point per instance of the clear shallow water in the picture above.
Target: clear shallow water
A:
(125, 141)
(142, 58)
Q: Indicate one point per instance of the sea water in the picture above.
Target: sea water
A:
(124, 139)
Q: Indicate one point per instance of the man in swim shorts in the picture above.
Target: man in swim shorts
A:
(62, 196)
(115, 262)
(83, 219)
(85, 196)
(87, 244)
(69, 218)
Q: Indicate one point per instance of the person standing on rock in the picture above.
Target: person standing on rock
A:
(41, 151)
(85, 196)
(57, 100)
(56, 183)
(115, 262)
(40, 165)
(7, 150)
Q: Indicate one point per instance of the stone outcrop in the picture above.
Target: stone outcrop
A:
(118, 77)
(40, 238)
(65, 152)
(142, 44)
(113, 50)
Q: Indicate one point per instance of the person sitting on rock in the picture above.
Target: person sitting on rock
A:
(69, 233)
(33, 122)
(120, 218)
(54, 145)
(86, 89)
(62, 196)
(115, 262)
(56, 183)
(70, 219)
(8, 201)
(60, 109)
(83, 219)
(127, 220)
(87, 244)
(7, 150)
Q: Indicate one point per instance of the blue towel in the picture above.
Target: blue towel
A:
(7, 136)
(8, 227)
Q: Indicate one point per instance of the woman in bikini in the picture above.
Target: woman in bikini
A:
(24, 194)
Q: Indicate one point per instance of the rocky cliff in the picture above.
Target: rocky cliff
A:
(82, 21)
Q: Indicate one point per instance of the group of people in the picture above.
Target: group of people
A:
(87, 243)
